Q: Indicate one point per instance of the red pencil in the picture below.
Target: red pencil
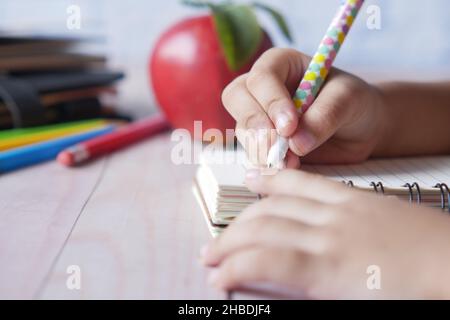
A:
(120, 138)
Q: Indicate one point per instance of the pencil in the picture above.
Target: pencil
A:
(14, 133)
(318, 70)
(121, 138)
(40, 135)
(44, 151)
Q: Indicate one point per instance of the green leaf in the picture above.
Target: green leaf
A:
(196, 3)
(239, 33)
(279, 19)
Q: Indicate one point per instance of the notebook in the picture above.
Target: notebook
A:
(221, 193)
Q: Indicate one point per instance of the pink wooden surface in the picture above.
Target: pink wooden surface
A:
(138, 233)
(38, 208)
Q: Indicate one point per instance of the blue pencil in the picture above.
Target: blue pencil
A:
(40, 152)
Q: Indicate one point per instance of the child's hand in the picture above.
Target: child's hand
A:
(319, 241)
(342, 125)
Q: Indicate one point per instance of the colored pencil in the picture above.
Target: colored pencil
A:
(318, 70)
(40, 152)
(24, 139)
(14, 133)
(121, 138)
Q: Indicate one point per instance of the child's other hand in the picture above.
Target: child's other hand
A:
(342, 125)
(319, 242)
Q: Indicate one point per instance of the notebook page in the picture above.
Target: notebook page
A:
(427, 171)
(227, 167)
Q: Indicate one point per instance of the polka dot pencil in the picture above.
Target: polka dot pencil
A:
(318, 70)
(323, 60)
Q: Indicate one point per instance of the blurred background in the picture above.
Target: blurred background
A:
(412, 43)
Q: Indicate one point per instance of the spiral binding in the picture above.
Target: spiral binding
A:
(414, 192)
(377, 187)
(445, 193)
(411, 192)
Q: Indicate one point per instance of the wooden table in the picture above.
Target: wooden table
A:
(128, 221)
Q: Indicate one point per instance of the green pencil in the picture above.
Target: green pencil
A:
(14, 133)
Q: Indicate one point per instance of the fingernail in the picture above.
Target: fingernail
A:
(304, 141)
(213, 277)
(282, 120)
(252, 175)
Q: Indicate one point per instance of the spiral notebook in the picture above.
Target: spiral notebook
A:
(221, 193)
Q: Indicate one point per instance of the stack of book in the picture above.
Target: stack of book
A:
(43, 81)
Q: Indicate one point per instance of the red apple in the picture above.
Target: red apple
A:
(189, 72)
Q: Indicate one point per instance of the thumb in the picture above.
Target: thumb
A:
(317, 125)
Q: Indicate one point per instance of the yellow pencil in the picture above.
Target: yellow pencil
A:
(35, 137)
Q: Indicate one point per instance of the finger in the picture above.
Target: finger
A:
(243, 107)
(329, 112)
(254, 129)
(292, 160)
(289, 269)
(303, 210)
(268, 82)
(298, 183)
(256, 143)
(263, 231)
